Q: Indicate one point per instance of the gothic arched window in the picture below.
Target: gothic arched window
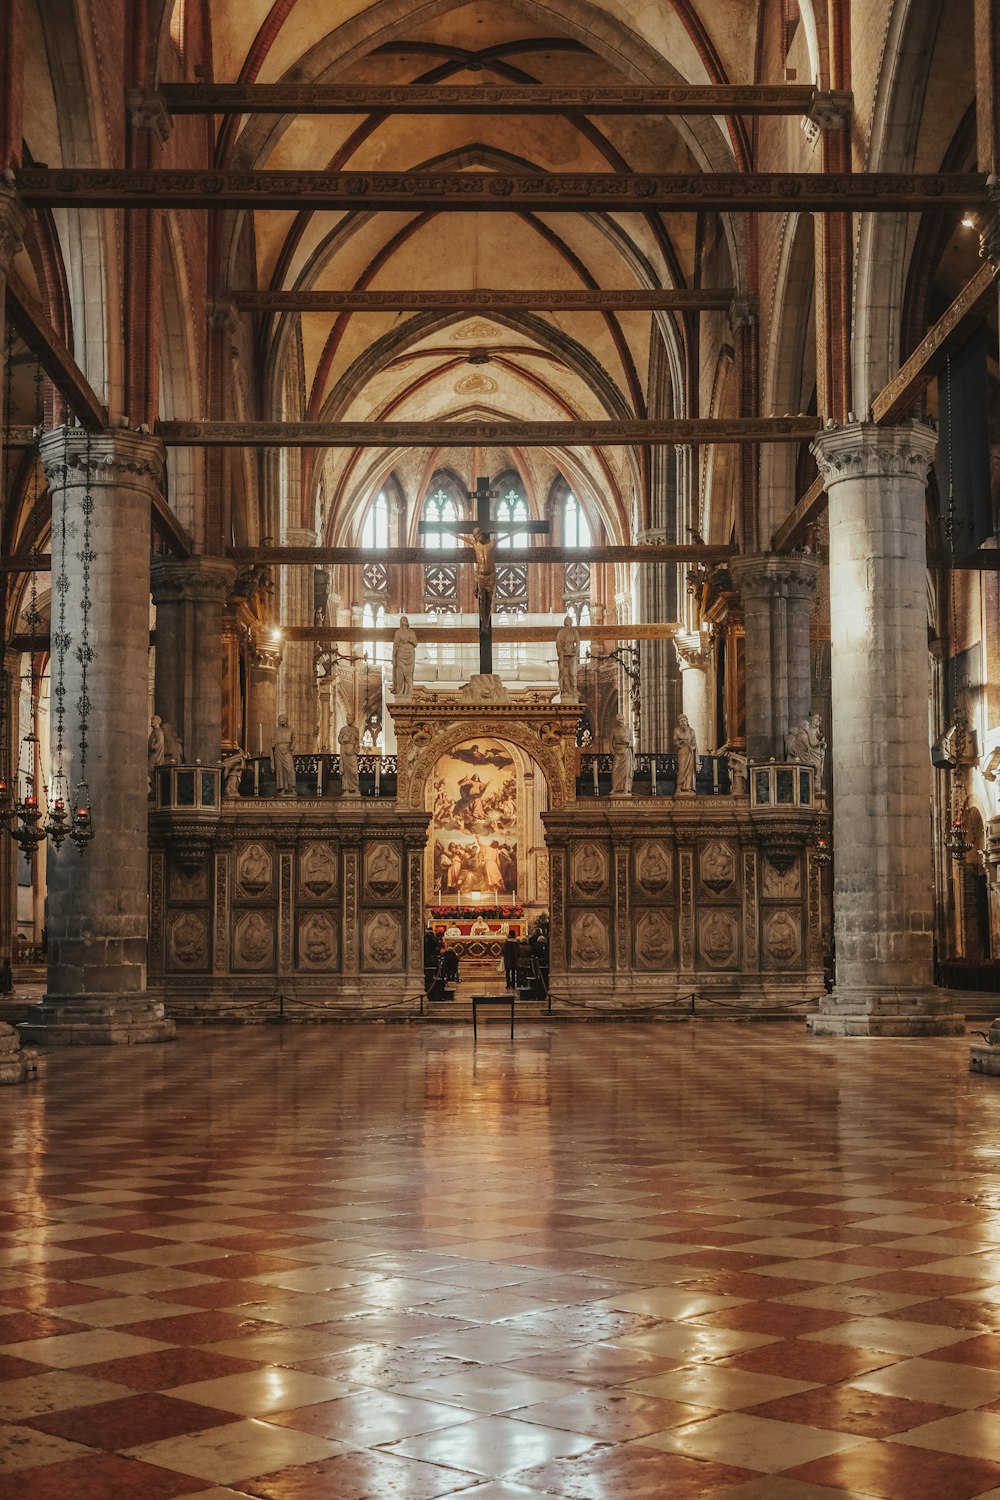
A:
(439, 507)
(576, 532)
(511, 507)
(576, 528)
(375, 534)
(373, 618)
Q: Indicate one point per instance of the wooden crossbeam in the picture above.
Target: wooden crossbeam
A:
(31, 322)
(484, 434)
(931, 354)
(895, 399)
(490, 99)
(41, 564)
(663, 552)
(548, 192)
(469, 634)
(480, 299)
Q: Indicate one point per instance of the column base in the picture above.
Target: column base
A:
(115, 1021)
(17, 1063)
(984, 1059)
(884, 1013)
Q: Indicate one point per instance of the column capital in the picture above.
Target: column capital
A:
(770, 573)
(222, 314)
(989, 222)
(861, 450)
(830, 109)
(266, 651)
(744, 310)
(693, 652)
(13, 223)
(147, 110)
(653, 536)
(114, 457)
(205, 579)
(300, 536)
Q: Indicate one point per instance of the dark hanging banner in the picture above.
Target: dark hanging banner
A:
(964, 449)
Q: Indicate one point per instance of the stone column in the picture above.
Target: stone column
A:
(190, 598)
(265, 659)
(694, 657)
(297, 683)
(658, 680)
(777, 594)
(13, 222)
(882, 892)
(97, 903)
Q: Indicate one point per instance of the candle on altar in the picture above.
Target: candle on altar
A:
(260, 739)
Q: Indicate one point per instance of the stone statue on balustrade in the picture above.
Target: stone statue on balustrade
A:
(568, 654)
(739, 773)
(233, 766)
(686, 747)
(283, 757)
(622, 759)
(404, 658)
(350, 745)
(806, 743)
(155, 746)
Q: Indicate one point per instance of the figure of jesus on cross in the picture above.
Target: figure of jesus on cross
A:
(484, 538)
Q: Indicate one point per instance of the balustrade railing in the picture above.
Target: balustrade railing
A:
(319, 776)
(655, 775)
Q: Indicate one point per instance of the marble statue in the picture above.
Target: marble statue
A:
(173, 746)
(806, 743)
(686, 746)
(283, 758)
(404, 658)
(622, 759)
(232, 770)
(739, 773)
(155, 746)
(350, 744)
(568, 653)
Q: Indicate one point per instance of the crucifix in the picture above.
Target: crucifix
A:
(484, 540)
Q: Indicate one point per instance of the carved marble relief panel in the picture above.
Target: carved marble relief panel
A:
(253, 941)
(156, 913)
(220, 935)
(382, 944)
(717, 866)
(557, 896)
(254, 872)
(187, 941)
(383, 872)
(783, 938)
(653, 869)
(654, 940)
(189, 885)
(589, 871)
(318, 940)
(590, 945)
(317, 871)
(350, 911)
(719, 938)
(784, 884)
(285, 859)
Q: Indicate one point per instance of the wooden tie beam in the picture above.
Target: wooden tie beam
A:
(469, 634)
(547, 192)
(661, 552)
(29, 319)
(491, 99)
(483, 434)
(895, 399)
(481, 299)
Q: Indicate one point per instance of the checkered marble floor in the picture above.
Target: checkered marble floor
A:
(600, 1263)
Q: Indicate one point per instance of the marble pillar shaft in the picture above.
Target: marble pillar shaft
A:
(694, 659)
(883, 895)
(777, 593)
(297, 695)
(190, 598)
(659, 686)
(97, 903)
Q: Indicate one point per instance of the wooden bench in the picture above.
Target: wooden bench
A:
(478, 1000)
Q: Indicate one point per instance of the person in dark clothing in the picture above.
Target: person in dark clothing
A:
(510, 961)
(449, 965)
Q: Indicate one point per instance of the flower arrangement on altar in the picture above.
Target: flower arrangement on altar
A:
(487, 913)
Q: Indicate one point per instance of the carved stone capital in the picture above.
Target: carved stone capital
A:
(201, 579)
(111, 458)
(266, 653)
(831, 109)
(300, 536)
(769, 574)
(694, 652)
(989, 222)
(13, 222)
(744, 311)
(223, 315)
(147, 110)
(860, 450)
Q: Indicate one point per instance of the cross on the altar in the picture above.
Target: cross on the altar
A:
(483, 539)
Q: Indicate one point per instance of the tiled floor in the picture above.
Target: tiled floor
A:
(599, 1263)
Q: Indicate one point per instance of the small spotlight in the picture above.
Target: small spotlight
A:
(968, 220)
